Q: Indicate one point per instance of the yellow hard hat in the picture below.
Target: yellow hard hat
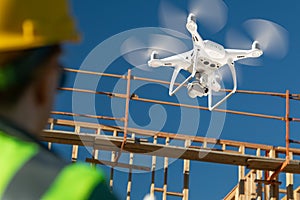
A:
(28, 24)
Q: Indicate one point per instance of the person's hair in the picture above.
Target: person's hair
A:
(18, 69)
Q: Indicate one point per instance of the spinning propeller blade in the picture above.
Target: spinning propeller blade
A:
(212, 15)
(272, 38)
(138, 53)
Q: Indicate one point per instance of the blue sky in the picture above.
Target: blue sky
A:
(100, 20)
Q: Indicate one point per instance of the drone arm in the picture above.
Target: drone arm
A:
(233, 73)
(254, 52)
(197, 40)
(236, 54)
(179, 62)
(173, 61)
(191, 26)
(182, 60)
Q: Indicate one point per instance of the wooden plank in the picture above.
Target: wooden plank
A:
(273, 164)
(158, 189)
(64, 137)
(178, 136)
(71, 123)
(122, 165)
(178, 194)
(231, 194)
(111, 143)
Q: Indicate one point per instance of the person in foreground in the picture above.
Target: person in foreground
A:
(31, 32)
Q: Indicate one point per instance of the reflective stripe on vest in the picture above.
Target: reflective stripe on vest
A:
(30, 172)
(34, 178)
(74, 182)
(13, 154)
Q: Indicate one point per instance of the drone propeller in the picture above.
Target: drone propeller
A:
(212, 15)
(138, 53)
(272, 38)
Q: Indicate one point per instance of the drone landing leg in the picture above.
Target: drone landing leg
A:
(175, 74)
(180, 86)
(233, 73)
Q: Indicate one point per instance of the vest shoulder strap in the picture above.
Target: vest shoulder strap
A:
(81, 178)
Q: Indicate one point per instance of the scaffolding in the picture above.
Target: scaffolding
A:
(264, 162)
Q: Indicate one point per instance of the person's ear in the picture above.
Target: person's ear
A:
(45, 86)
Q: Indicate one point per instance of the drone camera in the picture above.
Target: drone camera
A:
(196, 90)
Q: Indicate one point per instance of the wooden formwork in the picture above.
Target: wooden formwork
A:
(260, 183)
(222, 152)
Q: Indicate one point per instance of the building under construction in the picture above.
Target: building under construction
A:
(259, 165)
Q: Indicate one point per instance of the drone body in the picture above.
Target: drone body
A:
(202, 62)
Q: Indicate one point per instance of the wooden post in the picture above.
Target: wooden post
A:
(287, 125)
(252, 184)
(274, 188)
(130, 172)
(289, 156)
(112, 169)
(290, 183)
(247, 186)
(241, 182)
(166, 164)
(127, 107)
(153, 170)
(259, 176)
(223, 147)
(51, 128)
(186, 174)
(126, 115)
(96, 151)
(204, 145)
(297, 195)
(75, 147)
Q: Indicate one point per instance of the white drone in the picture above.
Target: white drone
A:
(202, 62)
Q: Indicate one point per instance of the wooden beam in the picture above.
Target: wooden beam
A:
(231, 194)
(122, 165)
(272, 164)
(183, 137)
(111, 143)
(178, 194)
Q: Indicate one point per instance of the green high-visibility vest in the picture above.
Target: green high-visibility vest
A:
(29, 171)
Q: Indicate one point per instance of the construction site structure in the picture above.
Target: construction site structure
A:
(263, 163)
